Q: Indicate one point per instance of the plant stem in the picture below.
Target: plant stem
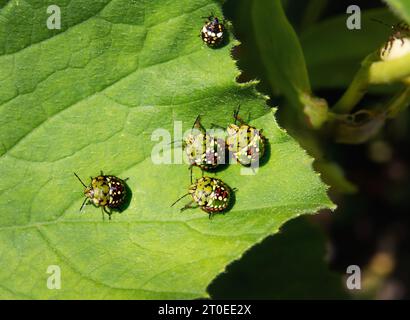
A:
(373, 72)
(357, 88)
(399, 103)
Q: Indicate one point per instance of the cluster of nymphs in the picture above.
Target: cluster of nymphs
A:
(244, 143)
(212, 195)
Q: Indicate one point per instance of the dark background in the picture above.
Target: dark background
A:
(309, 257)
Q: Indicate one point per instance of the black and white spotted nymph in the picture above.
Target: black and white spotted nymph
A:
(213, 33)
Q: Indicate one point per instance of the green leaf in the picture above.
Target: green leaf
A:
(401, 8)
(333, 53)
(282, 56)
(88, 98)
(280, 49)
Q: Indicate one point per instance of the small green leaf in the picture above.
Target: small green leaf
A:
(88, 98)
(316, 109)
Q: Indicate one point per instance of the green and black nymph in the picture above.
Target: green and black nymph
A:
(105, 191)
(202, 149)
(211, 195)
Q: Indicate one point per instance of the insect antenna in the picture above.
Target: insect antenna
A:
(236, 113)
(198, 125)
(174, 142)
(81, 208)
(382, 23)
(214, 125)
(187, 194)
(80, 180)
(197, 122)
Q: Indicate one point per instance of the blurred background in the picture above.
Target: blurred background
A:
(368, 175)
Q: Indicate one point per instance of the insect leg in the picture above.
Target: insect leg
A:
(107, 212)
(189, 205)
(84, 203)
(390, 43)
(210, 215)
(237, 117)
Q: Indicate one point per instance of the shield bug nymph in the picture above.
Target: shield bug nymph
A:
(245, 142)
(211, 195)
(213, 32)
(105, 191)
(202, 149)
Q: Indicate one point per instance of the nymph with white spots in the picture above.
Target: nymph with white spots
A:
(202, 149)
(213, 32)
(104, 191)
(211, 195)
(245, 143)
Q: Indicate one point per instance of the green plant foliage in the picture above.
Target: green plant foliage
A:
(333, 53)
(88, 98)
(284, 51)
(401, 8)
(280, 49)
